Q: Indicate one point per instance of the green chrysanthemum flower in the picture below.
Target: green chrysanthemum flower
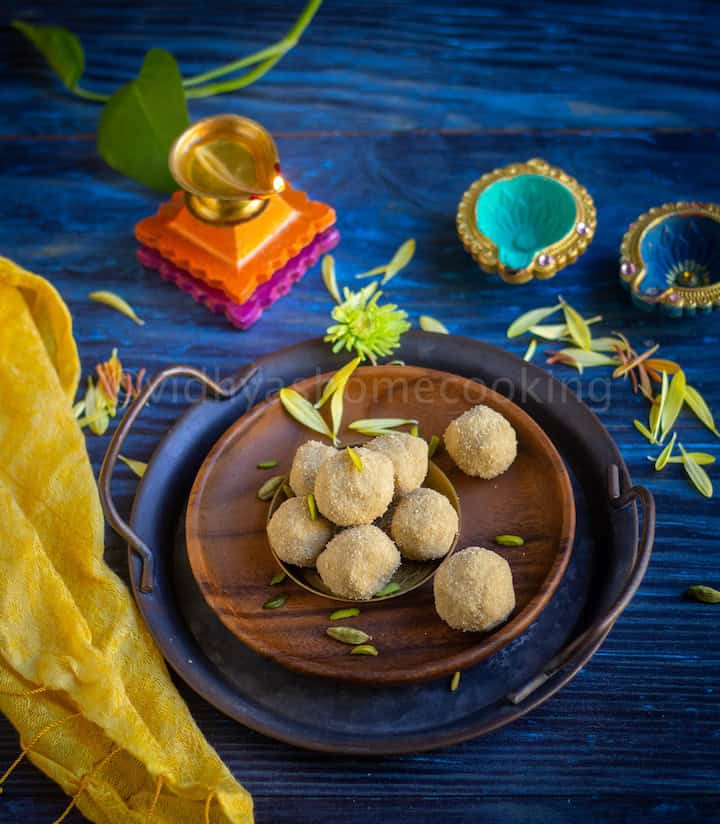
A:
(372, 330)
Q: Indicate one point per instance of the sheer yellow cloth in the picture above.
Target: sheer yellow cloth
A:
(80, 677)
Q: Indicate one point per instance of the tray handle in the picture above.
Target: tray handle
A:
(217, 390)
(598, 632)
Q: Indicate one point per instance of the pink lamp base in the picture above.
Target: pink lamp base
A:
(242, 315)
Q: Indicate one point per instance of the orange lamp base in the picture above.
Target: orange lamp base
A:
(236, 259)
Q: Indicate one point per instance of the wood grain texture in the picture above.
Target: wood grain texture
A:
(619, 95)
(388, 66)
(232, 563)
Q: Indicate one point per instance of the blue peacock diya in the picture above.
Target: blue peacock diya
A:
(526, 220)
(670, 258)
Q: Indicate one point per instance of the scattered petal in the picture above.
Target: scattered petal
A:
(578, 328)
(116, 302)
(697, 475)
(664, 456)
(673, 403)
(329, 279)
(522, 324)
(697, 403)
(138, 467)
(400, 260)
(530, 351)
(429, 324)
(304, 412)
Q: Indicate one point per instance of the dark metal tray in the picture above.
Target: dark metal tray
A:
(607, 565)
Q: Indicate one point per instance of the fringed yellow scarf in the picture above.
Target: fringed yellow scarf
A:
(80, 677)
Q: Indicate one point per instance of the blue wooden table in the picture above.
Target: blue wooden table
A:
(387, 110)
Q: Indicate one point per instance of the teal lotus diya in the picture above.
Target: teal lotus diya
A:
(670, 258)
(526, 220)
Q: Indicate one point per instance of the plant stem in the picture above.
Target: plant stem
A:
(290, 39)
(280, 47)
(87, 95)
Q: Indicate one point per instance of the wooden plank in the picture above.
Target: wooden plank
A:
(387, 66)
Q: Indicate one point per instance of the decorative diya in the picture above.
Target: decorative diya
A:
(238, 236)
(670, 258)
(526, 220)
(410, 574)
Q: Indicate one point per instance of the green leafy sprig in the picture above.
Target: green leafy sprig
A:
(141, 119)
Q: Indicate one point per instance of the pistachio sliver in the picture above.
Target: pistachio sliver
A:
(455, 681)
(388, 589)
(434, 445)
(312, 507)
(348, 612)
(364, 649)
(348, 635)
(275, 602)
(266, 464)
(277, 578)
(509, 540)
(355, 458)
(707, 595)
(270, 487)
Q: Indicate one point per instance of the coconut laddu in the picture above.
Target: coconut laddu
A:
(481, 442)
(474, 590)
(424, 525)
(348, 495)
(295, 536)
(358, 562)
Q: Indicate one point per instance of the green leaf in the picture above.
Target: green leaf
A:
(304, 412)
(577, 326)
(429, 324)
(698, 476)
(588, 358)
(524, 323)
(62, 50)
(673, 403)
(400, 260)
(664, 456)
(696, 402)
(142, 119)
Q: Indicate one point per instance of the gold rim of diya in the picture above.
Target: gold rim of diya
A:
(633, 268)
(229, 168)
(547, 261)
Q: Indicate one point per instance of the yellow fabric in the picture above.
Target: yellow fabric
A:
(107, 721)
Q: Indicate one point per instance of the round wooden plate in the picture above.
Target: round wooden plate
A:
(230, 560)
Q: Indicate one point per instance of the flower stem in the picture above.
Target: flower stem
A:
(88, 95)
(269, 57)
